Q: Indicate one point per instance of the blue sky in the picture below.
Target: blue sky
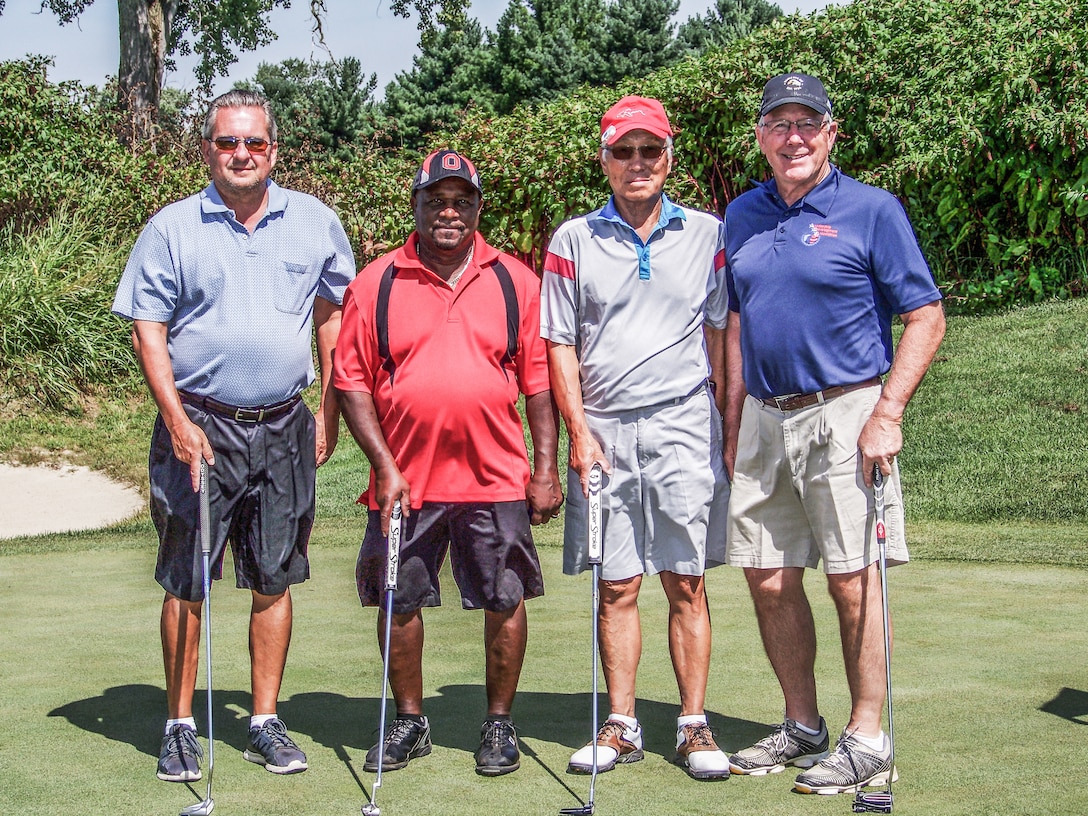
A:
(88, 50)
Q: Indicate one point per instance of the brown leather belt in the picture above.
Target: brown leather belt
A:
(794, 402)
(261, 413)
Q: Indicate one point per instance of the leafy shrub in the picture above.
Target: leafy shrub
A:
(974, 112)
(60, 149)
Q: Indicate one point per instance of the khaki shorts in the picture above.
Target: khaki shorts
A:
(798, 495)
(664, 504)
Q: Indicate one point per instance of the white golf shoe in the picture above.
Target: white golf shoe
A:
(616, 743)
(698, 753)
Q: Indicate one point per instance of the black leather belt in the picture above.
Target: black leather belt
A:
(261, 413)
(794, 402)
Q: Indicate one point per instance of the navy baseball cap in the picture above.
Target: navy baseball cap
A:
(444, 164)
(799, 88)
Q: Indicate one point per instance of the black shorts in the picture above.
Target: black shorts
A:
(261, 496)
(491, 549)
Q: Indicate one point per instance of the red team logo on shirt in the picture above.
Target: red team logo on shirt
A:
(818, 231)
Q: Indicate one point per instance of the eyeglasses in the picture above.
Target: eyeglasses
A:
(805, 127)
(228, 144)
(627, 152)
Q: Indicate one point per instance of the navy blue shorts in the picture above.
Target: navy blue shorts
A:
(261, 496)
(492, 556)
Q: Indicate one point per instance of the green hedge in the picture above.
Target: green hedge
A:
(59, 151)
(974, 112)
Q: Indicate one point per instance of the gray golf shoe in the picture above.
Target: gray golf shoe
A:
(850, 767)
(180, 755)
(271, 746)
(787, 745)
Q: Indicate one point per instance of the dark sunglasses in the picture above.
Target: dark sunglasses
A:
(254, 144)
(627, 152)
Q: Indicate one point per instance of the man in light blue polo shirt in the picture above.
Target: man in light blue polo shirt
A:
(818, 264)
(633, 299)
(224, 290)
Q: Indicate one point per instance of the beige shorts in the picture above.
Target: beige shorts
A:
(798, 495)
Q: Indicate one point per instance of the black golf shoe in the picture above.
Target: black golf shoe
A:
(405, 740)
(179, 758)
(270, 746)
(498, 753)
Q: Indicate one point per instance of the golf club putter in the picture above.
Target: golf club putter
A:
(595, 549)
(392, 566)
(204, 808)
(881, 802)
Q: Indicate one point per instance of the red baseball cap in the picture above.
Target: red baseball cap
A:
(634, 113)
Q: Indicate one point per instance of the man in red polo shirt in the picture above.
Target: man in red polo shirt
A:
(429, 367)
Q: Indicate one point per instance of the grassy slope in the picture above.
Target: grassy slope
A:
(997, 430)
(995, 463)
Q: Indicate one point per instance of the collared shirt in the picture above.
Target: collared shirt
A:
(450, 412)
(635, 309)
(817, 283)
(238, 306)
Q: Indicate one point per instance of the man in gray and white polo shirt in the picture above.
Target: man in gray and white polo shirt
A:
(224, 290)
(633, 299)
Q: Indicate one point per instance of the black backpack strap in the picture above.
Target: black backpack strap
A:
(381, 318)
(513, 316)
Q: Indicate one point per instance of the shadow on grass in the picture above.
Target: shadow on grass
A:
(133, 714)
(1070, 704)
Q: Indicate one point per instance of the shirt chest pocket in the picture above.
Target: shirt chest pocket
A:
(292, 289)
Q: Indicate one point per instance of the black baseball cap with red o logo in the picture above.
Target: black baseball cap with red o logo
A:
(444, 164)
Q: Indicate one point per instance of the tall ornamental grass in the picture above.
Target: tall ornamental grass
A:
(58, 340)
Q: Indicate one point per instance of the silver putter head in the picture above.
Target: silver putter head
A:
(873, 802)
(199, 809)
(370, 809)
(584, 810)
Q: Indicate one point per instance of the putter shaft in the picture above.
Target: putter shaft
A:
(882, 802)
(392, 568)
(205, 807)
(595, 555)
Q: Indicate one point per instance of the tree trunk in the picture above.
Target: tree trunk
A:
(144, 27)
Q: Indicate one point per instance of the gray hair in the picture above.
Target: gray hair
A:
(238, 98)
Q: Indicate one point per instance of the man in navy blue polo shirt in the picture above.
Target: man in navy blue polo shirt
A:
(817, 265)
